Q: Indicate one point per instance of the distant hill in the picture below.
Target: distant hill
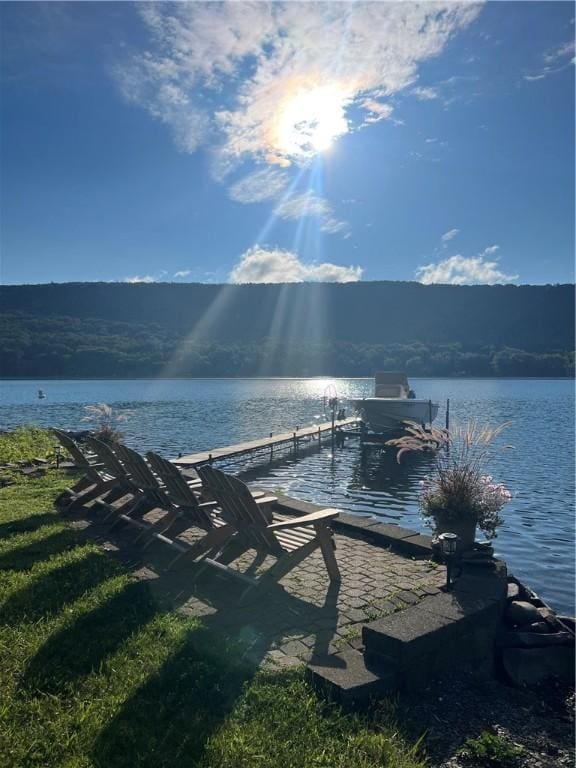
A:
(118, 329)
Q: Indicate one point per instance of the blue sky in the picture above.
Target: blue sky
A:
(260, 142)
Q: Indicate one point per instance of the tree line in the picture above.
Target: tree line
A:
(533, 318)
(57, 346)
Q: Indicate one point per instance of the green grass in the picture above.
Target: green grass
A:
(26, 443)
(95, 672)
(488, 749)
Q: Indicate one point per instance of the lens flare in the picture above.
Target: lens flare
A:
(310, 120)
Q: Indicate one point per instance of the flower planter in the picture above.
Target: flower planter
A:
(465, 529)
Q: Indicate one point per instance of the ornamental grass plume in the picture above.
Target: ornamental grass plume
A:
(106, 421)
(458, 487)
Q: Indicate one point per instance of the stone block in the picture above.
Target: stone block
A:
(407, 635)
(491, 584)
(393, 533)
(347, 679)
(417, 545)
(466, 607)
(417, 675)
(530, 666)
(351, 523)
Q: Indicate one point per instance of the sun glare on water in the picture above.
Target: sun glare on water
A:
(311, 120)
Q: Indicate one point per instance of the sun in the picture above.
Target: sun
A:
(310, 120)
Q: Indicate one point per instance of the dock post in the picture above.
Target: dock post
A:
(210, 458)
(430, 412)
(447, 414)
(319, 438)
(295, 443)
(271, 449)
(333, 420)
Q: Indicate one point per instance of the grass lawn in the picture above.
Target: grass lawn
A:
(94, 672)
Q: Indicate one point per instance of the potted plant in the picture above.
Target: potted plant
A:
(458, 494)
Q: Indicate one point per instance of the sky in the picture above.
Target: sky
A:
(285, 142)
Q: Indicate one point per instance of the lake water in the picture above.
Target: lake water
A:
(172, 416)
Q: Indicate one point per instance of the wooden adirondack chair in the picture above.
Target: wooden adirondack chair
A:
(151, 494)
(288, 540)
(155, 495)
(182, 496)
(96, 480)
(126, 486)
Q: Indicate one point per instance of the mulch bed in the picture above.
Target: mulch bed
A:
(539, 719)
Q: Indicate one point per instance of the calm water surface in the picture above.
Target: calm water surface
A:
(172, 416)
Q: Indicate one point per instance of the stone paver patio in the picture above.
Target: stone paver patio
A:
(305, 616)
(308, 616)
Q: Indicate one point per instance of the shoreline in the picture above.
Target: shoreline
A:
(284, 378)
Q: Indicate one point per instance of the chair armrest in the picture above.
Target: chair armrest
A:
(266, 500)
(314, 517)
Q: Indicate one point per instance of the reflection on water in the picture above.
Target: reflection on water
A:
(171, 416)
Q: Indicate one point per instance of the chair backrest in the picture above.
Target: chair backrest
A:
(178, 490)
(239, 507)
(70, 445)
(109, 459)
(141, 474)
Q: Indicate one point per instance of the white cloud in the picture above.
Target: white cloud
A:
(560, 53)
(220, 74)
(490, 251)
(159, 276)
(377, 111)
(459, 270)
(447, 236)
(261, 185)
(183, 273)
(140, 279)
(273, 265)
(425, 93)
(308, 204)
(452, 89)
(532, 78)
(554, 61)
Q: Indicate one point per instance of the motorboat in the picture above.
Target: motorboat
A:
(394, 402)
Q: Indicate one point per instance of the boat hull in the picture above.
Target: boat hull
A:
(381, 414)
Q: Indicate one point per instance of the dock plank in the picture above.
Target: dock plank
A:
(229, 451)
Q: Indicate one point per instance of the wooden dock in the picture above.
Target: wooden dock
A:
(290, 441)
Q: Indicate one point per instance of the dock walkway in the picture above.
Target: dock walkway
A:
(282, 441)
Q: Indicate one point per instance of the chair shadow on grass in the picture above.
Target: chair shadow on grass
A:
(51, 591)
(22, 558)
(27, 524)
(169, 719)
(79, 649)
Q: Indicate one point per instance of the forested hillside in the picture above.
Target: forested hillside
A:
(109, 329)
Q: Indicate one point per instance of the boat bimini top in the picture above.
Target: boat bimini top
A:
(391, 385)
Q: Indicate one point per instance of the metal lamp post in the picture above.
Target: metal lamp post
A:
(449, 547)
